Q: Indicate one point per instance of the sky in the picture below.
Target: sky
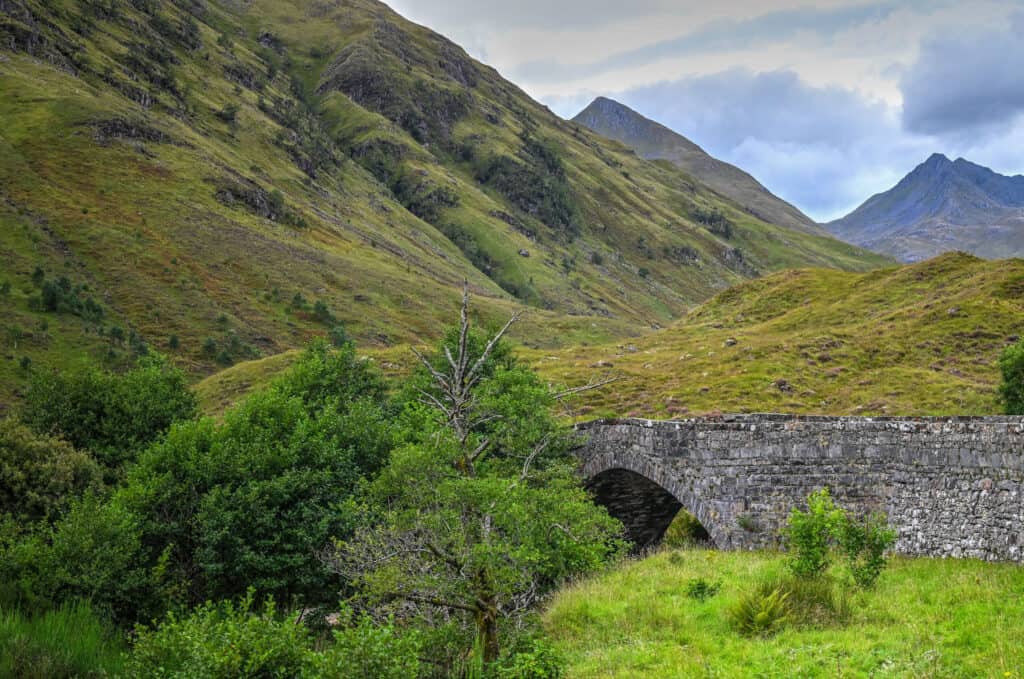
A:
(826, 102)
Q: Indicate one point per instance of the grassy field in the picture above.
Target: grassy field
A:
(925, 618)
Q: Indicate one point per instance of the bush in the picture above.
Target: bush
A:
(701, 589)
(532, 658)
(40, 475)
(93, 553)
(68, 642)
(863, 543)
(1011, 390)
(250, 501)
(369, 649)
(759, 614)
(809, 534)
(223, 640)
(110, 415)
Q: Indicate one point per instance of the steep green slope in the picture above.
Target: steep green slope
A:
(205, 172)
(917, 340)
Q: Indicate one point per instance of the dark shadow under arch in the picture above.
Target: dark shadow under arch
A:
(644, 507)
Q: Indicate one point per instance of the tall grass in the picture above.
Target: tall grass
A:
(70, 641)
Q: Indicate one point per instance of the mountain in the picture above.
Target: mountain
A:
(941, 206)
(224, 180)
(657, 142)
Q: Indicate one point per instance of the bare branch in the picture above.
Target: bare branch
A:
(474, 371)
(537, 450)
(586, 387)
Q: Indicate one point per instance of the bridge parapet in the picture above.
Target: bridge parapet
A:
(952, 486)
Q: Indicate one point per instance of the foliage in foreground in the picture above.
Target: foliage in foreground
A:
(41, 475)
(111, 415)
(478, 515)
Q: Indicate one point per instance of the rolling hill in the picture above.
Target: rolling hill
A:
(941, 206)
(921, 339)
(222, 181)
(655, 141)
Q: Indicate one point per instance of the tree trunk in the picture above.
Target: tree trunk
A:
(487, 633)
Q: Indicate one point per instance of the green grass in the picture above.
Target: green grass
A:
(68, 642)
(925, 618)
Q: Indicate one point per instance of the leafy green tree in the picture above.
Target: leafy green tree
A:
(250, 501)
(1011, 365)
(478, 514)
(41, 475)
(111, 415)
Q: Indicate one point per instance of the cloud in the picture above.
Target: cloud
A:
(819, 147)
(966, 83)
(722, 35)
(527, 13)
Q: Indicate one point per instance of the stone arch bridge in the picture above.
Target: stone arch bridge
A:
(951, 486)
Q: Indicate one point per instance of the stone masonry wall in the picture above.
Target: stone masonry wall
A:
(950, 486)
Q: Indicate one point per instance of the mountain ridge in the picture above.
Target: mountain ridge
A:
(942, 205)
(655, 141)
(220, 181)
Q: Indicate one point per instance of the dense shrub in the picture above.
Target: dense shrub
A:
(366, 648)
(863, 544)
(1011, 390)
(40, 475)
(813, 602)
(809, 534)
(111, 415)
(531, 658)
(221, 641)
(70, 641)
(93, 553)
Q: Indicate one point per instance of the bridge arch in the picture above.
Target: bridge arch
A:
(645, 497)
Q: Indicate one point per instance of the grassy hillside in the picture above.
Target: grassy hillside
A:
(916, 340)
(206, 172)
(925, 618)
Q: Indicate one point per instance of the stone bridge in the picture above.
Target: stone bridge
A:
(950, 486)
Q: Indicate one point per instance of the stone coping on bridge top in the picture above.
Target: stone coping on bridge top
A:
(754, 418)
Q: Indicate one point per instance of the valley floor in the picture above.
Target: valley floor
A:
(925, 618)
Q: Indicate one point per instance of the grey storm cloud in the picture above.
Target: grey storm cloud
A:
(962, 83)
